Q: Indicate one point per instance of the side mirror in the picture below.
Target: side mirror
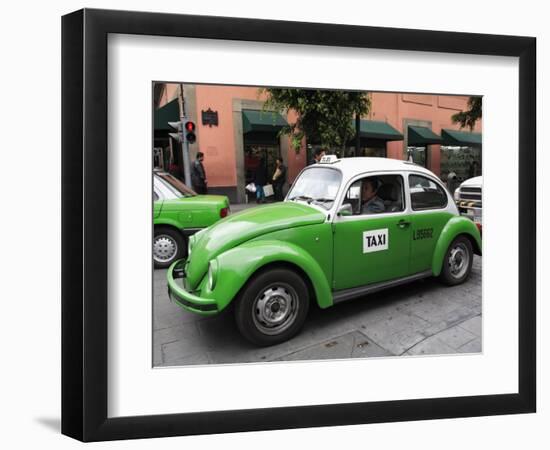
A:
(345, 210)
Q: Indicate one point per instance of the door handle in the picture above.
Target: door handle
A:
(403, 223)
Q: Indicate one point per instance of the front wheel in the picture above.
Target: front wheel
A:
(457, 264)
(272, 307)
(168, 245)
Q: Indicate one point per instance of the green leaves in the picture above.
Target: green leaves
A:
(471, 115)
(325, 117)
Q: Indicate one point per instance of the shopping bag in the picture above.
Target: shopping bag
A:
(268, 190)
(250, 187)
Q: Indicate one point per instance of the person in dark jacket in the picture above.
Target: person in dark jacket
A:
(198, 175)
(317, 155)
(260, 179)
(279, 178)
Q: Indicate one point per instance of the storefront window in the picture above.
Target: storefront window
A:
(459, 164)
(379, 152)
(158, 160)
(419, 155)
(259, 162)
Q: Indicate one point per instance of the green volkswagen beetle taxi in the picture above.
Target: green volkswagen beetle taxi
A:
(347, 228)
(178, 212)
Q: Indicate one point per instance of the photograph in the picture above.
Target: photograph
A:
(278, 224)
(303, 224)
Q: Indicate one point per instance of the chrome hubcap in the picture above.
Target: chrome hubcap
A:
(459, 260)
(164, 248)
(275, 308)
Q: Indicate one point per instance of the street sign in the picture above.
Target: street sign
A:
(209, 117)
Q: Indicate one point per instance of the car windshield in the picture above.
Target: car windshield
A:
(317, 185)
(175, 186)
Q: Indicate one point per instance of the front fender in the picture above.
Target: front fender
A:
(236, 266)
(455, 226)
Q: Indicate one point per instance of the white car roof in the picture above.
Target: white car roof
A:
(358, 165)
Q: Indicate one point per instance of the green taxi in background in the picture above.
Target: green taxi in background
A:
(347, 228)
(178, 212)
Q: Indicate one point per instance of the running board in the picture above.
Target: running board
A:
(348, 294)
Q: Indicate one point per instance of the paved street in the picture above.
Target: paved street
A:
(421, 318)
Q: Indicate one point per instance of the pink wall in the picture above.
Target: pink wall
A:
(218, 143)
(437, 109)
(169, 93)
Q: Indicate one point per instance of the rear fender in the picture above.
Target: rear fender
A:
(454, 227)
(166, 221)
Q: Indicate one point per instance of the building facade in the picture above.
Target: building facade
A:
(238, 137)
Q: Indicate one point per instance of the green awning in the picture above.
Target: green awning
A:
(254, 120)
(374, 129)
(460, 138)
(421, 136)
(168, 113)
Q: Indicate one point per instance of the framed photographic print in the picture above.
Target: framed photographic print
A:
(273, 224)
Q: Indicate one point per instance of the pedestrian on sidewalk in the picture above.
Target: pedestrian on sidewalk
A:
(278, 179)
(198, 175)
(317, 155)
(260, 179)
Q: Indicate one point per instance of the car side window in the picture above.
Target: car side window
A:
(156, 197)
(426, 194)
(376, 195)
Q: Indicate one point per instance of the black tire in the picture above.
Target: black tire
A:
(163, 253)
(272, 307)
(451, 272)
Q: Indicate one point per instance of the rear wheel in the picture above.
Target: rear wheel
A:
(168, 246)
(457, 264)
(272, 307)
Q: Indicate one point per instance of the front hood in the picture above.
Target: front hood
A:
(243, 226)
(473, 182)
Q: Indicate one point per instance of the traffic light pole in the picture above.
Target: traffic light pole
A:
(184, 143)
(186, 161)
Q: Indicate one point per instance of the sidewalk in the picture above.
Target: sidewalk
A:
(421, 318)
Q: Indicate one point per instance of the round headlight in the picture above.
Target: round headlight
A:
(212, 274)
(457, 194)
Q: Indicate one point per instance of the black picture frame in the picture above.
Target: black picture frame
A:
(84, 224)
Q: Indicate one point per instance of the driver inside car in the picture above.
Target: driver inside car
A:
(371, 203)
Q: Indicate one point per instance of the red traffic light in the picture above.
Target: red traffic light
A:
(190, 132)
